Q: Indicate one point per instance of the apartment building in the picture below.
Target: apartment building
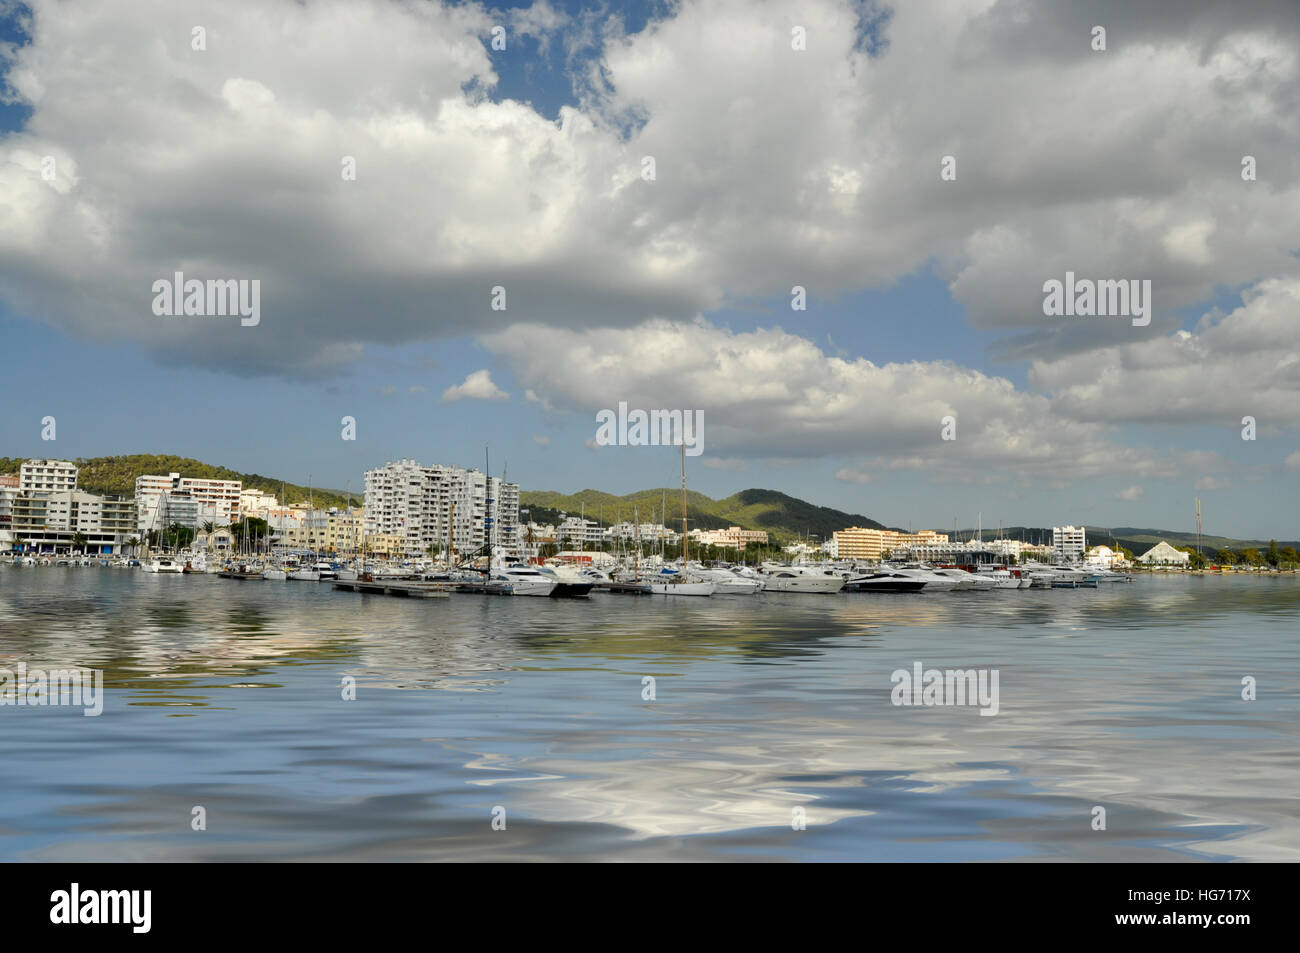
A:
(47, 475)
(49, 521)
(425, 504)
(322, 531)
(574, 530)
(190, 501)
(1068, 543)
(255, 502)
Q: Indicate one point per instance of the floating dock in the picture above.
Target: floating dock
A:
(412, 590)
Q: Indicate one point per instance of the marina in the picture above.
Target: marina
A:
(228, 693)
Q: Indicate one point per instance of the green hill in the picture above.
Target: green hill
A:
(116, 475)
(784, 517)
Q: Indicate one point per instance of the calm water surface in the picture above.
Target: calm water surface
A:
(228, 695)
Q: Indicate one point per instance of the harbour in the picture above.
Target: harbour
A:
(230, 692)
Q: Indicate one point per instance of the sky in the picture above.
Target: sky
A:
(920, 170)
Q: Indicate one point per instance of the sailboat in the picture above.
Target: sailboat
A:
(671, 583)
(311, 574)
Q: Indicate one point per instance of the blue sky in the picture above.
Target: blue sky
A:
(941, 299)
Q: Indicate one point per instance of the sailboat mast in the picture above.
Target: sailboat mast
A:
(487, 507)
(684, 543)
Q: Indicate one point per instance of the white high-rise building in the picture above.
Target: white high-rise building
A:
(1068, 543)
(419, 503)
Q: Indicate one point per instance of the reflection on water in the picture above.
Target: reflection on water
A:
(228, 694)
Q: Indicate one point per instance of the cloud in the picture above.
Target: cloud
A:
(541, 440)
(477, 386)
(848, 475)
(1130, 494)
(775, 395)
(1213, 483)
(1293, 461)
(725, 463)
(1248, 355)
(774, 166)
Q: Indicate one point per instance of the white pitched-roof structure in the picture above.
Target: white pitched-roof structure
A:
(1163, 554)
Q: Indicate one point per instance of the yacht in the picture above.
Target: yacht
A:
(569, 582)
(1007, 578)
(934, 581)
(801, 579)
(275, 574)
(886, 580)
(966, 581)
(325, 570)
(304, 575)
(163, 564)
(526, 580)
(672, 583)
(727, 582)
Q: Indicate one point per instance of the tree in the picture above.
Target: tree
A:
(1251, 557)
(79, 540)
(1273, 556)
(1196, 560)
(1226, 557)
(134, 543)
(20, 542)
(1289, 556)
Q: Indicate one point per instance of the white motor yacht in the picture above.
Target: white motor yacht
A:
(1006, 579)
(966, 581)
(726, 582)
(801, 579)
(525, 580)
(885, 580)
(569, 582)
(675, 584)
(163, 564)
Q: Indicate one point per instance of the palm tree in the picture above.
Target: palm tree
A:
(20, 542)
(134, 543)
(79, 539)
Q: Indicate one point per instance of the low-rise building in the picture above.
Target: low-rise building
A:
(732, 538)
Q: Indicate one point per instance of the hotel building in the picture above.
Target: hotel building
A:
(873, 545)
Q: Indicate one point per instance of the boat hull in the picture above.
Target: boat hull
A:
(682, 588)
